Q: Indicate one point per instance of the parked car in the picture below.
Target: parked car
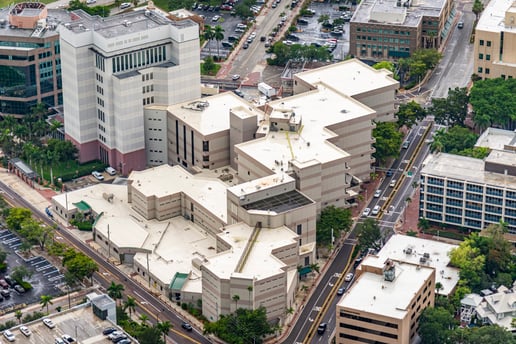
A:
(125, 341)
(5, 293)
(215, 18)
(114, 334)
(125, 5)
(25, 330)
(357, 262)
(68, 339)
(375, 210)
(49, 323)
(9, 280)
(97, 175)
(9, 336)
(377, 193)
(349, 277)
(119, 338)
(4, 284)
(235, 77)
(322, 328)
(59, 341)
(108, 331)
(19, 289)
(110, 170)
(89, 2)
(366, 212)
(405, 144)
(239, 93)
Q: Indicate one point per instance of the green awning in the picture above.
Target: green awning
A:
(178, 281)
(305, 270)
(82, 206)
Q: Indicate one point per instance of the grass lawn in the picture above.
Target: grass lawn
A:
(69, 170)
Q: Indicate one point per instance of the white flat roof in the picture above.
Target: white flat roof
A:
(371, 293)
(465, 168)
(495, 138)
(395, 248)
(310, 144)
(493, 17)
(263, 183)
(260, 262)
(351, 77)
(166, 180)
(210, 115)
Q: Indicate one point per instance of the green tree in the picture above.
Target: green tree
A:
(45, 301)
(82, 266)
(435, 325)
(492, 334)
(243, 10)
(494, 103)
(208, 35)
(115, 290)
(36, 232)
(150, 335)
(241, 327)
(236, 298)
(369, 234)
(410, 113)
(178, 4)
(455, 140)
(130, 304)
(388, 141)
(451, 110)
(19, 273)
(18, 314)
(164, 327)
(478, 7)
(143, 319)
(16, 217)
(340, 220)
(218, 35)
(208, 66)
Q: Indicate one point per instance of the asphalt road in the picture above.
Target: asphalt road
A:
(147, 303)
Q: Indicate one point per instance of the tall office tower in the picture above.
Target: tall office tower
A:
(30, 67)
(112, 68)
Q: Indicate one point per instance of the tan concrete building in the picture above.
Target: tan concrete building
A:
(495, 41)
(385, 302)
(171, 227)
(393, 29)
(373, 88)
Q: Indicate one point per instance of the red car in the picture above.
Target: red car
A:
(226, 7)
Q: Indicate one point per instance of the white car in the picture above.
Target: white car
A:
(125, 5)
(97, 175)
(89, 2)
(49, 323)
(348, 277)
(25, 330)
(376, 210)
(215, 18)
(9, 336)
(68, 339)
(393, 183)
(366, 212)
(110, 170)
(235, 77)
(377, 193)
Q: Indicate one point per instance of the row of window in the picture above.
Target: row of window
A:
(139, 59)
(147, 89)
(99, 62)
(481, 42)
(99, 78)
(148, 100)
(481, 57)
(102, 138)
(101, 115)
(100, 90)
(102, 128)
(384, 39)
(100, 101)
(384, 31)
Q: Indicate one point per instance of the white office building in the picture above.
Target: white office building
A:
(112, 68)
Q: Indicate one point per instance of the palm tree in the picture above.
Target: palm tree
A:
(143, 318)
(164, 327)
(218, 34)
(130, 304)
(115, 291)
(438, 286)
(250, 290)
(18, 314)
(236, 298)
(208, 36)
(314, 267)
(45, 301)
(70, 280)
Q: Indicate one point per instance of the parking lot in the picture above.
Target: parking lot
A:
(310, 31)
(45, 278)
